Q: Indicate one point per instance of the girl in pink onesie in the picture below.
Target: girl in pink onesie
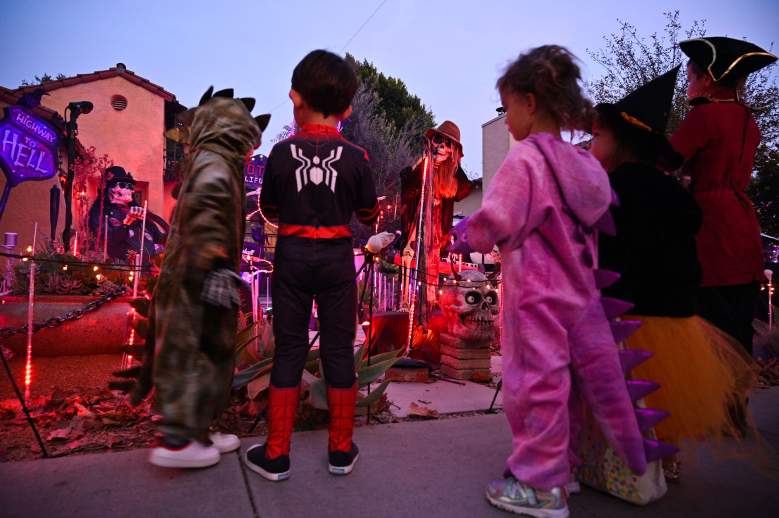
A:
(540, 209)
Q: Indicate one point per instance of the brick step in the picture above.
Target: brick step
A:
(451, 341)
(465, 354)
(457, 363)
(478, 375)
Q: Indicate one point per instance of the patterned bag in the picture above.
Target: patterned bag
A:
(602, 469)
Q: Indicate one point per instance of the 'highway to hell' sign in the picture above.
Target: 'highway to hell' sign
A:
(28, 147)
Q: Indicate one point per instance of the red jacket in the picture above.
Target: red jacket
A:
(718, 141)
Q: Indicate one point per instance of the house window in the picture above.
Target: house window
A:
(141, 193)
(118, 102)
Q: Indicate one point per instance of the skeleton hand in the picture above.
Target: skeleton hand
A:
(379, 242)
(135, 214)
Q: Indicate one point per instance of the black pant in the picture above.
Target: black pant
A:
(305, 270)
(732, 309)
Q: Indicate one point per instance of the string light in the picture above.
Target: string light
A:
(28, 372)
(95, 268)
(259, 210)
(64, 267)
(127, 358)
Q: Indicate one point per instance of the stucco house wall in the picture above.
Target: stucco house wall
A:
(133, 138)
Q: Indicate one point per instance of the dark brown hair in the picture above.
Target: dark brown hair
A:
(551, 74)
(728, 83)
(325, 81)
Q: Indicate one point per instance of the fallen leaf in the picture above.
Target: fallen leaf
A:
(82, 410)
(422, 412)
(63, 434)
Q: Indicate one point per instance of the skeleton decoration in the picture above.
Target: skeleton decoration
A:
(124, 219)
(429, 191)
(470, 306)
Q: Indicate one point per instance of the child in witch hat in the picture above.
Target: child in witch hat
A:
(718, 140)
(313, 182)
(697, 367)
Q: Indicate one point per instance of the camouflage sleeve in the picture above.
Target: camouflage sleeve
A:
(207, 225)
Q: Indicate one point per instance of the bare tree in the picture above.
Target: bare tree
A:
(390, 149)
(631, 59)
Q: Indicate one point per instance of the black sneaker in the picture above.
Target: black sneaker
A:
(342, 463)
(272, 469)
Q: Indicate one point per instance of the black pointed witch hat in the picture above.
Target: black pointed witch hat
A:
(723, 57)
(643, 115)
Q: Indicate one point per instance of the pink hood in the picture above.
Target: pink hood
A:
(582, 181)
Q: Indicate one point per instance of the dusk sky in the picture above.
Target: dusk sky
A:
(448, 53)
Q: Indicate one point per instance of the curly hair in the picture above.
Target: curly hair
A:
(551, 74)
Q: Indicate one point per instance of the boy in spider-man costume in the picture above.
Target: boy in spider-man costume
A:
(312, 184)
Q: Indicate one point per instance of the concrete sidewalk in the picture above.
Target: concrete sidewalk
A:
(426, 469)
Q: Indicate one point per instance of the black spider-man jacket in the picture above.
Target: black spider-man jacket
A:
(314, 181)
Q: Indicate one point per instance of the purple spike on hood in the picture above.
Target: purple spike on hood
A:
(630, 358)
(622, 329)
(605, 278)
(648, 417)
(640, 388)
(615, 307)
(606, 224)
(656, 450)
(614, 198)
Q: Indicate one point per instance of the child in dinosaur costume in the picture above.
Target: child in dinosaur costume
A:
(196, 300)
(540, 209)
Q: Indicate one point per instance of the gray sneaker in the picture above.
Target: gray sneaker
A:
(511, 495)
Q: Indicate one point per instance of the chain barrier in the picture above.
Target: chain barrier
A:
(89, 307)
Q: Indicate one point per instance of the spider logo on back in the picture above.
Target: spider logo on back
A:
(315, 170)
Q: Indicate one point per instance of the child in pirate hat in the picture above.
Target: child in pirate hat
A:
(717, 141)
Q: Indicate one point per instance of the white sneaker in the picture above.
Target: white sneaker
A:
(193, 455)
(224, 442)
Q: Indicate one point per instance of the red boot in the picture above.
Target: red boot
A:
(271, 460)
(343, 453)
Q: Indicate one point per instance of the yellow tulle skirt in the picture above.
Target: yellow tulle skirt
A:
(704, 375)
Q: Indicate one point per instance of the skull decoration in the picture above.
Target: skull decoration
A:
(444, 149)
(470, 306)
(121, 193)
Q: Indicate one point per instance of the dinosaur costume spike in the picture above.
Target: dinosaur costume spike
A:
(227, 93)
(615, 307)
(606, 224)
(249, 102)
(631, 358)
(638, 389)
(648, 417)
(622, 329)
(656, 450)
(605, 278)
(206, 96)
